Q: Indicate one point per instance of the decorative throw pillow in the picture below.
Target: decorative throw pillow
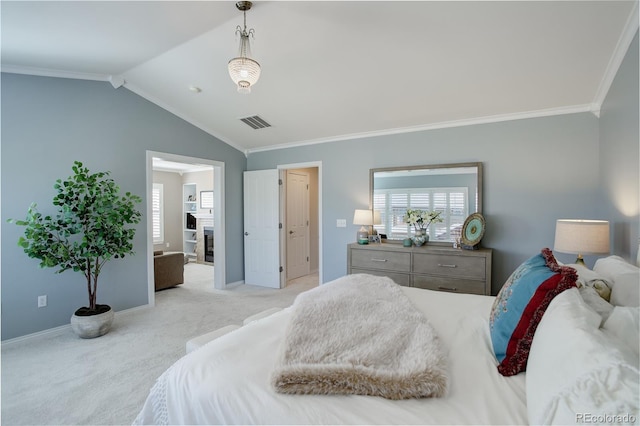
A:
(519, 307)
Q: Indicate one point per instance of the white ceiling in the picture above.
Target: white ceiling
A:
(336, 69)
(162, 165)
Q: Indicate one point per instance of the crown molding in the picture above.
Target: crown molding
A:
(49, 72)
(628, 33)
(434, 126)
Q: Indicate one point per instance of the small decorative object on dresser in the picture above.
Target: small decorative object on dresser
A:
(364, 218)
(431, 267)
(420, 238)
(421, 220)
(472, 231)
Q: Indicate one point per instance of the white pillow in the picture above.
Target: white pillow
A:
(589, 278)
(624, 324)
(624, 278)
(596, 302)
(575, 372)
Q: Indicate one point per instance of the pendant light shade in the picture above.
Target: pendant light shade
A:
(243, 70)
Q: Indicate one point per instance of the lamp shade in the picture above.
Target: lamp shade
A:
(362, 217)
(582, 236)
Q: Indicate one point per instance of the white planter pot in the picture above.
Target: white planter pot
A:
(88, 327)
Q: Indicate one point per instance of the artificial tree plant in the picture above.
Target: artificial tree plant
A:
(91, 227)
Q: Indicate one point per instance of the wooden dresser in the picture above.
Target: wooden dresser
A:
(431, 267)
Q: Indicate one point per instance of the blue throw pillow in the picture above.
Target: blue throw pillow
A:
(519, 307)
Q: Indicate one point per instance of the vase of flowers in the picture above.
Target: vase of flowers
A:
(421, 220)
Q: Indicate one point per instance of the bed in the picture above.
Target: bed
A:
(579, 378)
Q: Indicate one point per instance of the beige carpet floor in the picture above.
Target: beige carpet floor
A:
(64, 380)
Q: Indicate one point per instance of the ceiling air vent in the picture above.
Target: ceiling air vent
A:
(255, 122)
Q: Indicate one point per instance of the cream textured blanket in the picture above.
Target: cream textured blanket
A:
(360, 335)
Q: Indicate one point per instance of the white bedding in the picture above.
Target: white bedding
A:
(227, 381)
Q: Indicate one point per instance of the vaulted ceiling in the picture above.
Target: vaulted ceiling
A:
(336, 69)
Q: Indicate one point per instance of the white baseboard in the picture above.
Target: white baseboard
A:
(63, 328)
(49, 332)
(234, 284)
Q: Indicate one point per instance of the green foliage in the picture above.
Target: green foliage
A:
(92, 226)
(421, 219)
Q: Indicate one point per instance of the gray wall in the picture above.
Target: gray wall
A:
(531, 178)
(619, 153)
(535, 172)
(47, 123)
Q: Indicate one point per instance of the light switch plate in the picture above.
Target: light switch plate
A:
(341, 223)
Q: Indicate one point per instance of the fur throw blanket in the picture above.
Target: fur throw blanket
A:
(360, 334)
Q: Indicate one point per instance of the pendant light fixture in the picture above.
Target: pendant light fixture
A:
(243, 70)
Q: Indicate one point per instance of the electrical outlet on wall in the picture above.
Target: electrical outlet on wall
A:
(42, 301)
(167, 245)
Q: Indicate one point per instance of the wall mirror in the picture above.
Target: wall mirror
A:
(455, 190)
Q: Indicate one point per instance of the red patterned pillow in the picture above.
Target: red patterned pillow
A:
(519, 307)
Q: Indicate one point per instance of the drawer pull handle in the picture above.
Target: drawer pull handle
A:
(378, 260)
(447, 288)
(447, 266)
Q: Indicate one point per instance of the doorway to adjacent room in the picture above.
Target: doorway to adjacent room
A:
(186, 212)
(283, 225)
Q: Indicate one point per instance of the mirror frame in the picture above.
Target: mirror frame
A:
(478, 165)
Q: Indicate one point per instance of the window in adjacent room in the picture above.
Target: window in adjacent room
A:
(158, 213)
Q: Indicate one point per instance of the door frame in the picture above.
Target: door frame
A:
(310, 164)
(219, 271)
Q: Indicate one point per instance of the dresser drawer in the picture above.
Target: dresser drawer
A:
(452, 285)
(400, 279)
(449, 265)
(380, 259)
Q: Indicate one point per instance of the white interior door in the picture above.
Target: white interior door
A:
(261, 228)
(297, 224)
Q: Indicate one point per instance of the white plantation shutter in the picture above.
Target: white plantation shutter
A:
(379, 204)
(393, 203)
(398, 203)
(157, 209)
(458, 212)
(420, 200)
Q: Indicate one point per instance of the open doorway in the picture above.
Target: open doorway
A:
(191, 219)
(300, 215)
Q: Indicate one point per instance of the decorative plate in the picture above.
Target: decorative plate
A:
(473, 229)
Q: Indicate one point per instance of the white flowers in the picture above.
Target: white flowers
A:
(421, 219)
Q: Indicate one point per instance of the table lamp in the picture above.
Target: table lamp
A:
(580, 237)
(364, 218)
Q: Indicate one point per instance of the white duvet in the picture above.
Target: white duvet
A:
(227, 381)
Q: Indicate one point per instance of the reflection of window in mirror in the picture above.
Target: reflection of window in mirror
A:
(454, 190)
(392, 203)
(206, 199)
